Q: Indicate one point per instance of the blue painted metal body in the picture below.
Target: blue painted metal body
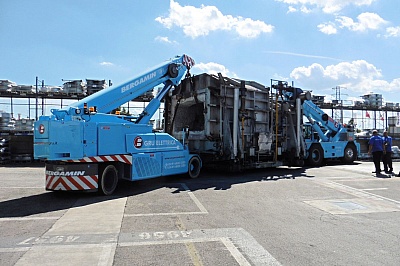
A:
(332, 135)
(74, 132)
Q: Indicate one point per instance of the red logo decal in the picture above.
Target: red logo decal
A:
(138, 142)
(41, 128)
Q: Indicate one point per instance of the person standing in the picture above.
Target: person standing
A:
(376, 147)
(387, 156)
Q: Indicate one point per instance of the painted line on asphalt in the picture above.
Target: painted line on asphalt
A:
(84, 218)
(76, 246)
(351, 179)
(355, 191)
(235, 252)
(242, 245)
(168, 242)
(42, 187)
(193, 197)
(190, 247)
(163, 214)
(372, 189)
(201, 207)
(99, 249)
(29, 218)
(107, 255)
(241, 260)
(2, 250)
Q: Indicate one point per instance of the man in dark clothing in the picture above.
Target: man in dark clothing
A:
(377, 149)
(387, 156)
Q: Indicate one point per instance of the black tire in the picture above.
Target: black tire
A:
(194, 167)
(108, 181)
(315, 155)
(350, 154)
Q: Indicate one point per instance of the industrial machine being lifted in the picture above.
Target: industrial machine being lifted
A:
(87, 148)
(236, 123)
(244, 124)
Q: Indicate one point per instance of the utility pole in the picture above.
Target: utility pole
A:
(37, 97)
(338, 98)
(340, 103)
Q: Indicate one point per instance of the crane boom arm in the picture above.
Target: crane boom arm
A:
(316, 116)
(168, 73)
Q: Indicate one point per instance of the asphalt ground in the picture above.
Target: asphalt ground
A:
(331, 215)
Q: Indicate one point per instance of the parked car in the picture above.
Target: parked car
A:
(395, 152)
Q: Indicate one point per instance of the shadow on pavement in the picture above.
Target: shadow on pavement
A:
(224, 180)
(385, 175)
(48, 202)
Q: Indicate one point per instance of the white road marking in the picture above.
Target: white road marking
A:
(168, 242)
(235, 252)
(24, 249)
(356, 192)
(84, 218)
(363, 201)
(242, 245)
(28, 218)
(107, 255)
(228, 244)
(372, 189)
(193, 197)
(98, 246)
(57, 239)
(99, 249)
(163, 214)
(42, 187)
(202, 209)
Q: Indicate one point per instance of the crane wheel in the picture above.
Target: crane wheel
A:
(350, 154)
(315, 155)
(173, 70)
(194, 166)
(108, 180)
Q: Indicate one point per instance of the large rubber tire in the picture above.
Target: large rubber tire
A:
(108, 181)
(350, 154)
(315, 155)
(194, 167)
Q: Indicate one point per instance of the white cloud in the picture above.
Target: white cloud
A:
(291, 9)
(251, 28)
(306, 10)
(201, 21)
(165, 40)
(393, 32)
(366, 21)
(359, 76)
(107, 64)
(327, 28)
(213, 68)
(327, 6)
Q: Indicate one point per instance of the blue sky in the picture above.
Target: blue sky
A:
(318, 44)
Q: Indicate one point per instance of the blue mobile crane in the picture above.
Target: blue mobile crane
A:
(324, 137)
(86, 148)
